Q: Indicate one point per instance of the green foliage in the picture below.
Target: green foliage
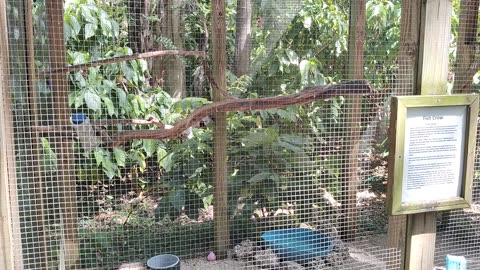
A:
(300, 46)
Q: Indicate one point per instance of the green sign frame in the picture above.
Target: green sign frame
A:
(397, 189)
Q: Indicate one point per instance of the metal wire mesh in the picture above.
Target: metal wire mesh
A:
(93, 191)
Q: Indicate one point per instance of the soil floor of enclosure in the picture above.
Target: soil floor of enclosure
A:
(369, 253)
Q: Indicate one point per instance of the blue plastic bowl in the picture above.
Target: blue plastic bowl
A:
(299, 244)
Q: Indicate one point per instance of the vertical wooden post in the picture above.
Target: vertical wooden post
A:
(348, 221)
(42, 261)
(432, 71)
(219, 90)
(10, 242)
(465, 66)
(405, 84)
(66, 169)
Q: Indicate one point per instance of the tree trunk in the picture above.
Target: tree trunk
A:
(169, 72)
(353, 110)
(466, 66)
(138, 26)
(243, 44)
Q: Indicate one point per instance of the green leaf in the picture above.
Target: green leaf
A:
(139, 157)
(120, 156)
(99, 154)
(75, 25)
(109, 104)
(167, 162)
(122, 99)
(86, 12)
(150, 146)
(93, 101)
(90, 30)
(109, 168)
(161, 154)
(292, 56)
(304, 68)
(258, 138)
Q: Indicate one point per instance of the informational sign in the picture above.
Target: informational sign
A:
(434, 152)
(432, 142)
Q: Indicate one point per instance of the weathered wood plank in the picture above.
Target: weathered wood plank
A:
(431, 80)
(405, 84)
(434, 45)
(10, 242)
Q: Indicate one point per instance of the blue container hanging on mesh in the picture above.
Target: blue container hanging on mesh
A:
(85, 132)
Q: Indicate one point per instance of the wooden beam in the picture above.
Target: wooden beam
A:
(405, 84)
(10, 243)
(34, 140)
(465, 67)
(353, 110)
(434, 45)
(66, 180)
(431, 80)
(219, 92)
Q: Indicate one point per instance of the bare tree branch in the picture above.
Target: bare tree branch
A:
(310, 94)
(68, 69)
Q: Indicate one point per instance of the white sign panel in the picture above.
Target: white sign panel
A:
(434, 153)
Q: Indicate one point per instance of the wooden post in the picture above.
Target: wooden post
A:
(66, 169)
(466, 65)
(10, 243)
(34, 139)
(405, 84)
(350, 178)
(432, 74)
(219, 91)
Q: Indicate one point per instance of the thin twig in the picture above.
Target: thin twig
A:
(68, 69)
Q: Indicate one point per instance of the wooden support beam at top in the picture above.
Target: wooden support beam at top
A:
(219, 93)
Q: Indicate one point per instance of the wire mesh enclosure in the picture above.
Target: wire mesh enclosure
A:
(238, 134)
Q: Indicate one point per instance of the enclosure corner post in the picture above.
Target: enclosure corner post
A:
(353, 110)
(431, 80)
(219, 92)
(10, 243)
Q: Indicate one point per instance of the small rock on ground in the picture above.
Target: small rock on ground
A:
(244, 250)
(267, 259)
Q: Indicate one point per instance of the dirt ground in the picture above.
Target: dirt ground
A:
(360, 258)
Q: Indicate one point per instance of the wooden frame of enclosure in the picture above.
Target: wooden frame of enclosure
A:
(422, 65)
(397, 155)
